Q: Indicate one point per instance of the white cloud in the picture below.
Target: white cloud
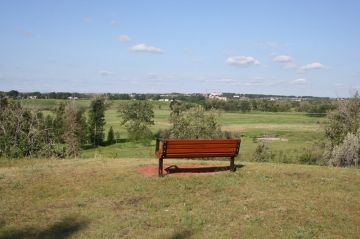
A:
(142, 47)
(299, 82)
(311, 66)
(242, 61)
(282, 58)
(105, 73)
(123, 38)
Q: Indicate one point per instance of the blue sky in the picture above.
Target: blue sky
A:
(265, 47)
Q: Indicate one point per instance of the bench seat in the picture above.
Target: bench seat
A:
(196, 148)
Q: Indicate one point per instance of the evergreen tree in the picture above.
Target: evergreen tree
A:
(97, 121)
(59, 123)
(111, 136)
(74, 130)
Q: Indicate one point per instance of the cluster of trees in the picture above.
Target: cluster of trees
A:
(316, 107)
(26, 133)
(247, 102)
(14, 94)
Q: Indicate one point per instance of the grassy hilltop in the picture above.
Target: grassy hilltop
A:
(107, 198)
(101, 194)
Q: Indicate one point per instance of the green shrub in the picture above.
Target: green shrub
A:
(262, 153)
(196, 123)
(312, 155)
(347, 153)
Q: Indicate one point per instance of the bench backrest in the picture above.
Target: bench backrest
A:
(194, 148)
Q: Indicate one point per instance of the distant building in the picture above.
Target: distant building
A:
(32, 97)
(73, 98)
(217, 96)
(164, 100)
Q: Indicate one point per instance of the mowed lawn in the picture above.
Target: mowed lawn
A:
(108, 198)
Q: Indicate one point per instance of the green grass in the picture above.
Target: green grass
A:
(107, 198)
(300, 131)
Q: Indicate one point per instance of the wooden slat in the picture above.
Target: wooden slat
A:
(202, 141)
(200, 155)
(200, 150)
(205, 146)
(179, 148)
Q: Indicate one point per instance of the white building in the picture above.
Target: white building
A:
(217, 96)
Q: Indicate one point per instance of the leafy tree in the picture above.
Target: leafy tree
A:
(111, 136)
(74, 129)
(177, 107)
(97, 121)
(345, 119)
(137, 116)
(13, 94)
(23, 133)
(245, 106)
(196, 123)
(343, 133)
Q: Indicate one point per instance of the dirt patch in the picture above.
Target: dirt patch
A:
(183, 170)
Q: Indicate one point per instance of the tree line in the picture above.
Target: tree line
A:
(27, 133)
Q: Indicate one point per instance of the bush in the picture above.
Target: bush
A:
(312, 155)
(345, 119)
(24, 133)
(343, 133)
(262, 153)
(347, 153)
(196, 123)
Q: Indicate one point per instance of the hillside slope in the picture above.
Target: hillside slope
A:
(107, 198)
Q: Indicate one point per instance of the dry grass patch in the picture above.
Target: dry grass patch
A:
(272, 127)
(107, 198)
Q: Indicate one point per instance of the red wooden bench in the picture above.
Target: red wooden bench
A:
(197, 148)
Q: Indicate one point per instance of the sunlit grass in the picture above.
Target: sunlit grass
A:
(299, 130)
(107, 198)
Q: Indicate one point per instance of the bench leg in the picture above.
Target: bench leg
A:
(160, 167)
(232, 164)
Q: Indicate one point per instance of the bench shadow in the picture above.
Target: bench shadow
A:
(182, 235)
(206, 169)
(59, 230)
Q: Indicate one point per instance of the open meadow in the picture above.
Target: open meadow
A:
(289, 135)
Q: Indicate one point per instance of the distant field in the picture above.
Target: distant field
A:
(107, 198)
(297, 131)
